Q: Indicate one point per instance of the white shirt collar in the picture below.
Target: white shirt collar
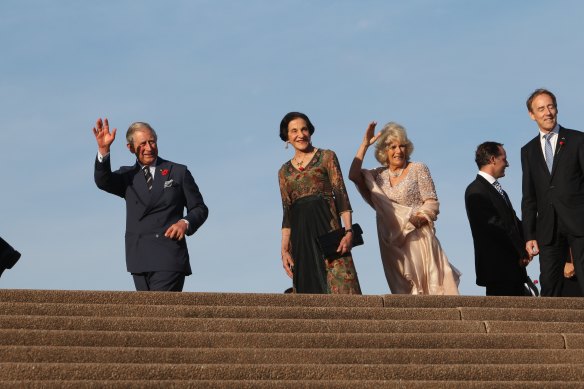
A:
(555, 130)
(152, 167)
(487, 177)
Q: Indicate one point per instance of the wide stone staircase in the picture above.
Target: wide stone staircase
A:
(86, 339)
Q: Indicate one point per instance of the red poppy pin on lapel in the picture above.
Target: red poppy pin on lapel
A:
(164, 172)
(562, 143)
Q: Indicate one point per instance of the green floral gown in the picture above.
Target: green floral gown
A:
(313, 200)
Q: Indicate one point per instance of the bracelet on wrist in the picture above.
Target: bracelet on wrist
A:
(348, 230)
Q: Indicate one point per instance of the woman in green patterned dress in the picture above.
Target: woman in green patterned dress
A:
(314, 200)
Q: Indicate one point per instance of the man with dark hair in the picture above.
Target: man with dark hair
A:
(500, 256)
(156, 193)
(553, 194)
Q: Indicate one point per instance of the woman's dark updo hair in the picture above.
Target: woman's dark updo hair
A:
(288, 118)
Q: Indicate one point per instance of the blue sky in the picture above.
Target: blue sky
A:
(214, 78)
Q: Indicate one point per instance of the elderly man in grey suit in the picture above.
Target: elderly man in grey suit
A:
(157, 192)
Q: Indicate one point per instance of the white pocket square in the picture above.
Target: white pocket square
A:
(168, 184)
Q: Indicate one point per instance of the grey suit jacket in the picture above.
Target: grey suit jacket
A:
(150, 213)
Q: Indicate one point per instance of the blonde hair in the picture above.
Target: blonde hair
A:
(392, 132)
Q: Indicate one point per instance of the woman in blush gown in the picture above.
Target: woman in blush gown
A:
(404, 198)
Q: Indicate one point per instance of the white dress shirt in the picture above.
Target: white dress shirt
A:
(553, 139)
(487, 177)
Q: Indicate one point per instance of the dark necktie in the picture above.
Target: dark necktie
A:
(549, 155)
(501, 191)
(148, 177)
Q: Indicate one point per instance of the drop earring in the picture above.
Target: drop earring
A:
(286, 145)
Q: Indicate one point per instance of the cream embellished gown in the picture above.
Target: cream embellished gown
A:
(413, 259)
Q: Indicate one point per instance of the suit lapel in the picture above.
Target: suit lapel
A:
(559, 146)
(538, 154)
(157, 184)
(503, 205)
(499, 201)
(139, 185)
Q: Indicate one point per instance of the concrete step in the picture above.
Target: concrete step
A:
(341, 356)
(465, 372)
(304, 300)
(237, 312)
(278, 340)
(294, 312)
(140, 324)
(290, 384)
(523, 314)
(186, 298)
(228, 340)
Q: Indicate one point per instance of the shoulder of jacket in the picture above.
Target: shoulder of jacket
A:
(572, 132)
(126, 169)
(475, 184)
(531, 143)
(163, 161)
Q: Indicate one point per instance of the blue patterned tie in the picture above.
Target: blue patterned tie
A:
(499, 188)
(549, 154)
(501, 192)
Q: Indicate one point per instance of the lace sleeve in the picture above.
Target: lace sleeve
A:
(376, 175)
(286, 202)
(426, 184)
(338, 185)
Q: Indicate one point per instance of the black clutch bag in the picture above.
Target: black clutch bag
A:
(329, 242)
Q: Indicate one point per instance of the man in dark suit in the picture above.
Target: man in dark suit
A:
(500, 256)
(553, 194)
(156, 193)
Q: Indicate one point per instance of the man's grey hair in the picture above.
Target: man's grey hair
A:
(139, 126)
